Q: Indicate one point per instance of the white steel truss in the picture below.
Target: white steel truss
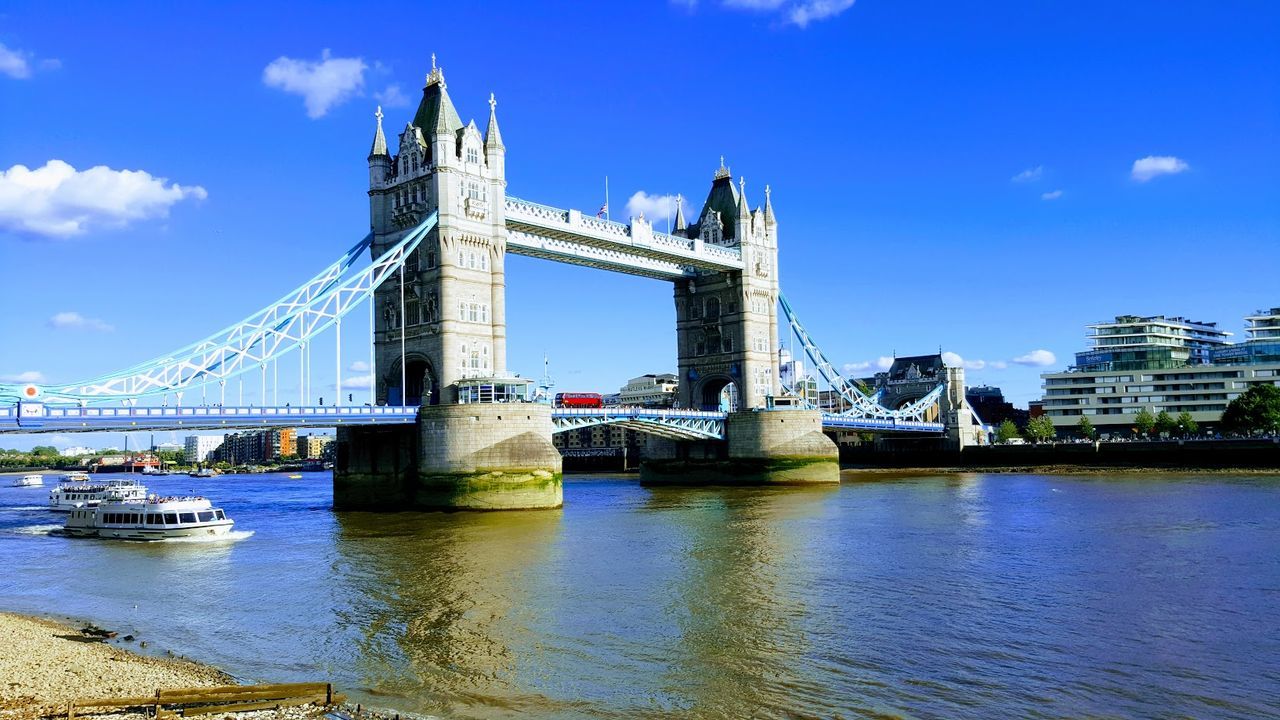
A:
(284, 326)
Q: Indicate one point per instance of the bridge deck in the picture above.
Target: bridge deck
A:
(676, 424)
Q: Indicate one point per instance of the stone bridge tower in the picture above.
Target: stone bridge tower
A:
(727, 322)
(453, 316)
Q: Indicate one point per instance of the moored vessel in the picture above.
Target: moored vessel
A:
(151, 518)
(69, 496)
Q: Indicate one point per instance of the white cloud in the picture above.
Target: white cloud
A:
(1028, 175)
(59, 201)
(322, 85)
(884, 362)
(30, 376)
(1037, 358)
(954, 360)
(1051, 195)
(795, 12)
(1153, 165)
(806, 12)
(392, 97)
(357, 382)
(14, 63)
(359, 366)
(71, 320)
(654, 207)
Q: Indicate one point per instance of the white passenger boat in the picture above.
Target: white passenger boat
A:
(29, 481)
(68, 496)
(152, 518)
(76, 476)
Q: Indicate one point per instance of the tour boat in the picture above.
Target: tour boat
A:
(76, 476)
(150, 518)
(73, 495)
(29, 481)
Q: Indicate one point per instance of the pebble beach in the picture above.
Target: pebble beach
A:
(45, 664)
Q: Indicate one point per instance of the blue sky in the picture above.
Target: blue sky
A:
(985, 177)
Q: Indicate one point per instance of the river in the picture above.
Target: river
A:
(970, 596)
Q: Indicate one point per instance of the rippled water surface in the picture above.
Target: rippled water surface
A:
(975, 596)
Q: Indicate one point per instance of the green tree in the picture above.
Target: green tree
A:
(44, 451)
(1087, 430)
(1165, 424)
(1041, 429)
(1255, 412)
(1186, 425)
(1144, 421)
(1006, 432)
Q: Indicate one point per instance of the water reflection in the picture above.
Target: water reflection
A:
(437, 603)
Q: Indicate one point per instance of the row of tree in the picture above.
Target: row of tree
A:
(1255, 412)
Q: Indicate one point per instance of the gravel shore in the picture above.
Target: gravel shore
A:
(45, 664)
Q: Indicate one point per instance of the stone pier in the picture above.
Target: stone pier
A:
(762, 447)
(457, 457)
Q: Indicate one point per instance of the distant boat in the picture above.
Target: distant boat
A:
(29, 481)
(68, 496)
(295, 476)
(203, 473)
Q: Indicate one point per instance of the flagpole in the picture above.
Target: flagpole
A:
(606, 197)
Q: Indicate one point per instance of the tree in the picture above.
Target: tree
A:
(1145, 422)
(44, 450)
(1041, 429)
(1186, 425)
(1257, 411)
(1165, 424)
(1006, 432)
(1087, 430)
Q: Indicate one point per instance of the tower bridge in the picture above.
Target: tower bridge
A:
(449, 426)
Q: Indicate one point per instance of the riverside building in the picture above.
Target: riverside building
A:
(1160, 363)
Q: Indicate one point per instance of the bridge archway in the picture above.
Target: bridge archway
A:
(422, 382)
(718, 392)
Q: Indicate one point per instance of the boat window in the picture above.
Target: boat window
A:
(220, 515)
(135, 518)
(153, 519)
(206, 516)
(170, 518)
(187, 517)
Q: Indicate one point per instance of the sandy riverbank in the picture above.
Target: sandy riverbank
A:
(44, 664)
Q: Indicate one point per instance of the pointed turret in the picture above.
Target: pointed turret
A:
(680, 224)
(492, 137)
(379, 139)
(722, 203)
(379, 158)
(768, 207)
(743, 230)
(495, 153)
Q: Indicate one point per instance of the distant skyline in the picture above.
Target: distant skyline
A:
(987, 180)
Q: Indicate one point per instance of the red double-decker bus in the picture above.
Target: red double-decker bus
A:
(579, 400)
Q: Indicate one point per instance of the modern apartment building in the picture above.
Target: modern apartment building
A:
(311, 447)
(1161, 364)
(255, 446)
(196, 448)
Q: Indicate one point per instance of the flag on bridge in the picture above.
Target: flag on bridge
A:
(604, 210)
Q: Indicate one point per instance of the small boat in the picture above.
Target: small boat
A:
(29, 481)
(153, 471)
(69, 496)
(151, 518)
(203, 473)
(76, 476)
(295, 476)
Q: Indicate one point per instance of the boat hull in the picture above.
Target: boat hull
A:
(140, 532)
